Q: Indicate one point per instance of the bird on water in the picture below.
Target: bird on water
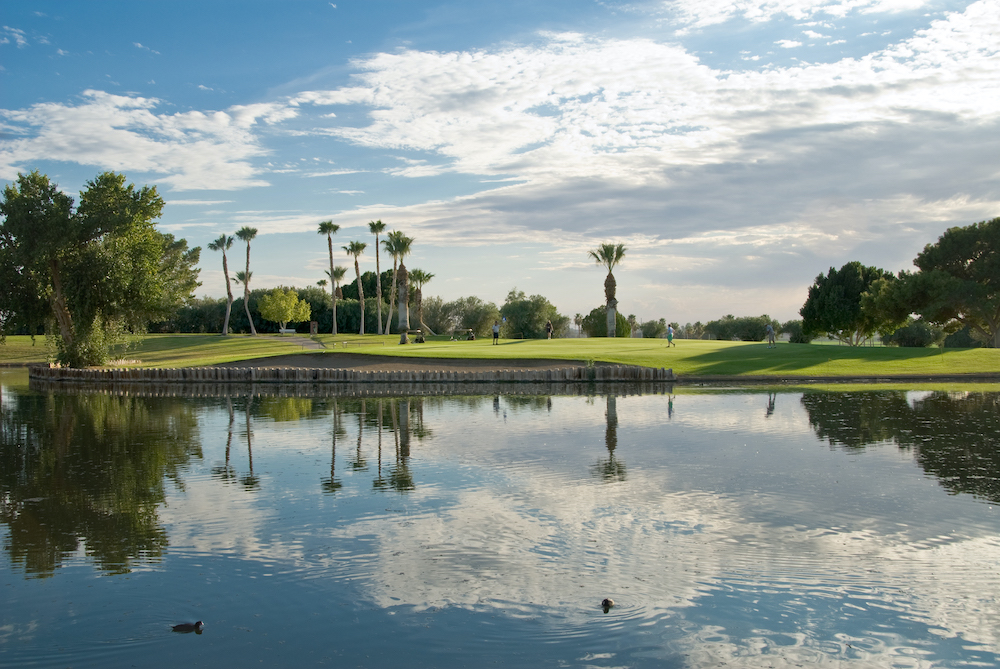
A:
(186, 628)
(607, 603)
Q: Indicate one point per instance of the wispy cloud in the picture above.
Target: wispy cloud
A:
(15, 34)
(145, 48)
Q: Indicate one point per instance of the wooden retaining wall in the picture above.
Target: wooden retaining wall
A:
(363, 390)
(313, 375)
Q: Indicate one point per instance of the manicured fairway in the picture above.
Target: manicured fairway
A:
(688, 358)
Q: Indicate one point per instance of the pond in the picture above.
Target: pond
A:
(748, 527)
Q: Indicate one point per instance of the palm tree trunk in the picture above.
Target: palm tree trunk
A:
(246, 294)
(378, 287)
(392, 295)
(336, 286)
(404, 312)
(329, 245)
(361, 295)
(229, 294)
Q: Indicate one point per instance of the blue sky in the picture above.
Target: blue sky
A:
(738, 148)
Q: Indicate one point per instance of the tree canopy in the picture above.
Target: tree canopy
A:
(834, 304)
(959, 280)
(526, 316)
(94, 272)
(284, 306)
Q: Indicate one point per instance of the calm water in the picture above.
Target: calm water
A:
(730, 527)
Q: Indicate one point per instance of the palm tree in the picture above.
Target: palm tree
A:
(609, 255)
(329, 228)
(246, 234)
(243, 278)
(336, 275)
(393, 242)
(355, 249)
(401, 245)
(377, 228)
(224, 243)
(419, 277)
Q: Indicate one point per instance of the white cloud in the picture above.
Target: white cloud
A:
(14, 34)
(145, 48)
(812, 34)
(788, 44)
(702, 13)
(188, 151)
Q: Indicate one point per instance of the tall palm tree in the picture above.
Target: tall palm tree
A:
(355, 249)
(609, 255)
(402, 245)
(336, 275)
(419, 277)
(224, 243)
(377, 228)
(246, 234)
(329, 228)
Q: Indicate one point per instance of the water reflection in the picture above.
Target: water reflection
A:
(473, 525)
(88, 473)
(955, 436)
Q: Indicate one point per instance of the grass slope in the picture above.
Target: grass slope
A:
(688, 358)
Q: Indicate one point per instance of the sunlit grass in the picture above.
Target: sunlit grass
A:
(688, 358)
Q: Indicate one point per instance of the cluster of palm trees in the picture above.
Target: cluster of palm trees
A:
(398, 246)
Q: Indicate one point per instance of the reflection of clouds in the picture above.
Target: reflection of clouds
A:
(549, 545)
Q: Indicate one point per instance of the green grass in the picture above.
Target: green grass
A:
(689, 358)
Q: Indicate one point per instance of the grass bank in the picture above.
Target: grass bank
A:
(689, 358)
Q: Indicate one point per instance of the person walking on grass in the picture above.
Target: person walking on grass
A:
(770, 337)
(548, 329)
(670, 336)
(496, 333)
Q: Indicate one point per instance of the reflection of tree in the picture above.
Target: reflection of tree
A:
(400, 476)
(954, 436)
(359, 463)
(285, 409)
(771, 397)
(226, 473)
(610, 470)
(333, 484)
(250, 481)
(379, 483)
(89, 470)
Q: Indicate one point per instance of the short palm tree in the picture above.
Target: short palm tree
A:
(356, 249)
(377, 228)
(419, 277)
(329, 228)
(336, 275)
(246, 234)
(224, 243)
(609, 255)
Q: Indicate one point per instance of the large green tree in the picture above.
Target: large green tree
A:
(526, 316)
(284, 306)
(834, 304)
(95, 272)
(959, 280)
(609, 255)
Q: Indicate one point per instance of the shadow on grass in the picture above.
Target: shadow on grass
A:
(806, 359)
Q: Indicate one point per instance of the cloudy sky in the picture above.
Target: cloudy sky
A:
(736, 147)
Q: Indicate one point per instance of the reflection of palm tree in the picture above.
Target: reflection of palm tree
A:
(226, 472)
(610, 470)
(359, 463)
(249, 481)
(609, 255)
(224, 243)
(246, 234)
(379, 483)
(770, 404)
(332, 485)
(401, 478)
